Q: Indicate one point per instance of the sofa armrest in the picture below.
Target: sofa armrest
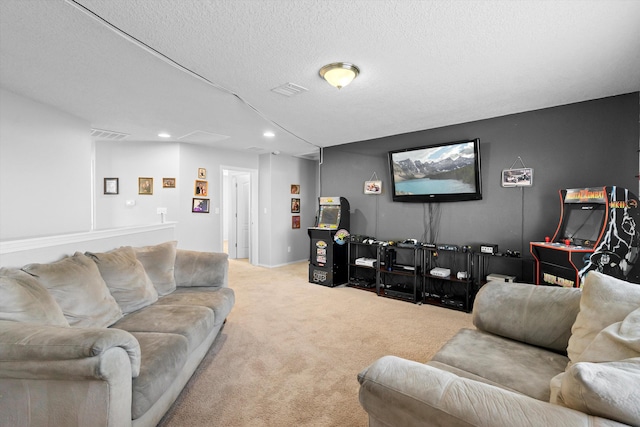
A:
(194, 268)
(25, 343)
(397, 391)
(536, 315)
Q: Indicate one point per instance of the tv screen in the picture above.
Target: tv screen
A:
(329, 216)
(447, 172)
(584, 223)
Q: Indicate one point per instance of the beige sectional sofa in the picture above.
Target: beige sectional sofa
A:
(107, 339)
(539, 356)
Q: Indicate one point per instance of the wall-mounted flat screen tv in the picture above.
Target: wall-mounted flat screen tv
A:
(448, 172)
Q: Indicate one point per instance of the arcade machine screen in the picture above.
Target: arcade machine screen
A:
(584, 224)
(329, 216)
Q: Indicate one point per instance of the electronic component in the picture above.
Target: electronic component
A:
(500, 278)
(489, 249)
(440, 272)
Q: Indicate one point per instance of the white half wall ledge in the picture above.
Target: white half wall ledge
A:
(51, 248)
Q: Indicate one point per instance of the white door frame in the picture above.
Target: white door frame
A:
(253, 208)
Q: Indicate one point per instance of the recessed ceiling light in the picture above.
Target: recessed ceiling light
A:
(269, 134)
(164, 135)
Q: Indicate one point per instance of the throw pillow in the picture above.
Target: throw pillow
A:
(608, 389)
(23, 299)
(159, 263)
(616, 342)
(76, 285)
(605, 300)
(126, 278)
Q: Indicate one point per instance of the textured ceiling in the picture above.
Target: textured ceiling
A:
(199, 67)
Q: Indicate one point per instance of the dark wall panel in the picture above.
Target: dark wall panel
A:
(591, 143)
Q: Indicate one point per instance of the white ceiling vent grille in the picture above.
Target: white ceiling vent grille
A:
(256, 149)
(289, 89)
(109, 135)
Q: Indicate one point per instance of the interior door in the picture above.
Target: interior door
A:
(243, 194)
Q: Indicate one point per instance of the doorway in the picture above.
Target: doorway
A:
(239, 230)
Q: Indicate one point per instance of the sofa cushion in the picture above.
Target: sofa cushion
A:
(537, 315)
(24, 299)
(513, 364)
(159, 263)
(608, 389)
(605, 300)
(220, 300)
(126, 278)
(194, 323)
(615, 342)
(76, 285)
(163, 356)
(201, 268)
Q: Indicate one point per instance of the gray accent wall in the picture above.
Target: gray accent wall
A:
(592, 143)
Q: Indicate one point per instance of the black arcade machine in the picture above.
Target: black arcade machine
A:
(598, 230)
(329, 242)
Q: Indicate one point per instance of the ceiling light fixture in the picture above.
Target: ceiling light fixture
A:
(164, 135)
(339, 74)
(269, 134)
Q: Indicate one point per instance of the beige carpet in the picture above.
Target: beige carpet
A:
(290, 351)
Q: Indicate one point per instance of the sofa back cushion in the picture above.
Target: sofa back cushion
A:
(76, 285)
(24, 299)
(537, 315)
(605, 301)
(126, 278)
(197, 269)
(159, 263)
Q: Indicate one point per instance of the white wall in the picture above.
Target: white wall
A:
(128, 161)
(198, 231)
(45, 170)
(279, 242)
(45, 184)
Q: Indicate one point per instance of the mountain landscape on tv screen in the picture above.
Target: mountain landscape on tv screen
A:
(461, 169)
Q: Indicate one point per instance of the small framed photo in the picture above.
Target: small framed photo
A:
(373, 187)
(145, 186)
(201, 188)
(295, 221)
(111, 186)
(168, 183)
(295, 188)
(517, 177)
(200, 205)
(202, 173)
(295, 205)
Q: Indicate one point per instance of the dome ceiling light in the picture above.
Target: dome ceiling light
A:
(339, 74)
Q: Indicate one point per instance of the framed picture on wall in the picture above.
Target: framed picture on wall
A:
(111, 186)
(168, 183)
(201, 188)
(373, 187)
(145, 186)
(517, 177)
(295, 205)
(295, 221)
(200, 205)
(295, 188)
(202, 173)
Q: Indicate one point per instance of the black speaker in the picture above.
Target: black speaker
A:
(389, 259)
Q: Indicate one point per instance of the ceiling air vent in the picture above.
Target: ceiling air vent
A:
(289, 89)
(202, 137)
(256, 149)
(109, 135)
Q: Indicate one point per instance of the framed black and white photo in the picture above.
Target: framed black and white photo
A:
(517, 177)
(111, 186)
